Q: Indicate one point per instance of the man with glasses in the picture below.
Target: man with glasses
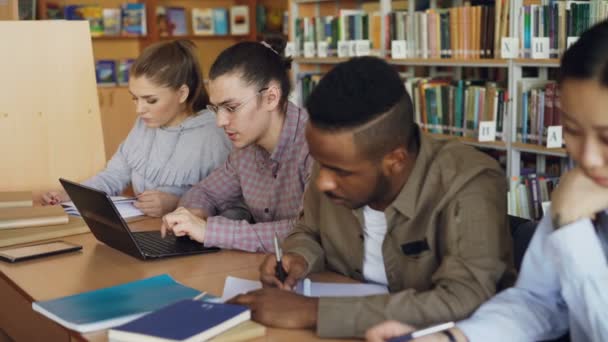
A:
(268, 168)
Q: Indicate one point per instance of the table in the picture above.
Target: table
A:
(99, 266)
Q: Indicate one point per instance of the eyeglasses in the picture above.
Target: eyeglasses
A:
(231, 110)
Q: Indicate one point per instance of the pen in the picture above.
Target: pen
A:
(280, 271)
(422, 332)
(200, 295)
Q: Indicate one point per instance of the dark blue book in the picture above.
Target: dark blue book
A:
(186, 320)
(113, 306)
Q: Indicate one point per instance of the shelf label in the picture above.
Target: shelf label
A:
(290, 49)
(487, 131)
(343, 49)
(540, 47)
(554, 137)
(398, 49)
(352, 48)
(570, 41)
(309, 49)
(509, 47)
(362, 48)
(322, 49)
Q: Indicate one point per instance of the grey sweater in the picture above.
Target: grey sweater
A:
(168, 159)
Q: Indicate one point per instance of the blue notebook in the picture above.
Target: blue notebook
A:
(116, 305)
(186, 320)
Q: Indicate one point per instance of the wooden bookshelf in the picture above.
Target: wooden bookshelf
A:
(539, 149)
(495, 145)
(474, 63)
(119, 38)
(209, 37)
(318, 60)
(529, 62)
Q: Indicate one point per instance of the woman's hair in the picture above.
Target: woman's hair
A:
(587, 59)
(173, 64)
(257, 64)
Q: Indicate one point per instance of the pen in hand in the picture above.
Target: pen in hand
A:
(280, 271)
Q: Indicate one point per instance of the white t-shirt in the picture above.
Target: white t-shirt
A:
(374, 231)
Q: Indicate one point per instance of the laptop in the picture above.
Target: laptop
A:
(106, 224)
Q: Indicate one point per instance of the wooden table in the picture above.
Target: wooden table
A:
(99, 266)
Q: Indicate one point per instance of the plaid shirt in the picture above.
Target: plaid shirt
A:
(272, 186)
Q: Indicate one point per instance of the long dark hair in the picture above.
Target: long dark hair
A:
(173, 64)
(587, 59)
(257, 63)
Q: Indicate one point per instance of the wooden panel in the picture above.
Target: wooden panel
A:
(117, 116)
(50, 125)
(9, 10)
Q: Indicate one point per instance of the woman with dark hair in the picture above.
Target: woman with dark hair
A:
(248, 89)
(174, 142)
(564, 277)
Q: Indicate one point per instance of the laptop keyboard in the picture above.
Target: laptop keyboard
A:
(153, 244)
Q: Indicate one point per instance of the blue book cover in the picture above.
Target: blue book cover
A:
(220, 21)
(112, 306)
(177, 21)
(184, 320)
(134, 19)
(105, 72)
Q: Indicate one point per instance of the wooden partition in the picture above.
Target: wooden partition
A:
(9, 10)
(50, 125)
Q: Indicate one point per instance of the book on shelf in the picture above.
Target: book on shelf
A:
(176, 17)
(134, 19)
(27, 9)
(239, 20)
(75, 225)
(538, 109)
(202, 22)
(94, 14)
(105, 72)
(186, 320)
(111, 21)
(23, 217)
(53, 11)
(220, 21)
(112, 306)
(527, 194)
(124, 68)
(12, 199)
(73, 12)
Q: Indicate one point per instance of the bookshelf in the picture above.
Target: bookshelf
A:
(9, 10)
(526, 124)
(514, 68)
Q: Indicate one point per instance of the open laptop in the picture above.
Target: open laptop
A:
(107, 226)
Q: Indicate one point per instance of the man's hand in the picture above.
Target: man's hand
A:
(156, 203)
(576, 197)
(182, 222)
(280, 309)
(294, 264)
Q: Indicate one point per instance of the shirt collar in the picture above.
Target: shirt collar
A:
(406, 200)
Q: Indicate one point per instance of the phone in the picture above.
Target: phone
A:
(36, 251)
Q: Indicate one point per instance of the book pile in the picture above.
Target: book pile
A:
(21, 222)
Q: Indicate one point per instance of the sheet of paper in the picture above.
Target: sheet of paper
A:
(124, 205)
(235, 286)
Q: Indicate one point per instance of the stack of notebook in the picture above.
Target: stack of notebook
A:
(22, 222)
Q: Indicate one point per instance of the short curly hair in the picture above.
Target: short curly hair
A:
(367, 96)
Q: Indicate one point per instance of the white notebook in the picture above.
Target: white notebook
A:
(235, 286)
(124, 205)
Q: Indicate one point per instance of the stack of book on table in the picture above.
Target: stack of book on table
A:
(22, 222)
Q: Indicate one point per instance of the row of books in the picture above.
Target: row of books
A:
(172, 21)
(538, 109)
(448, 107)
(559, 21)
(128, 20)
(349, 25)
(529, 194)
(110, 72)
